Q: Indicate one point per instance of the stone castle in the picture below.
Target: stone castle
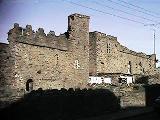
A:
(35, 60)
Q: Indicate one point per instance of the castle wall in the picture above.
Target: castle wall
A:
(45, 66)
(5, 70)
(35, 60)
(49, 61)
(4, 56)
(48, 68)
(115, 58)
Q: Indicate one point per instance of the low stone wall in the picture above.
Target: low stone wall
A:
(130, 96)
(133, 99)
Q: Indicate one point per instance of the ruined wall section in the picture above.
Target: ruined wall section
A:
(112, 57)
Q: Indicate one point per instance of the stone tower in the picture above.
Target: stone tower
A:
(78, 31)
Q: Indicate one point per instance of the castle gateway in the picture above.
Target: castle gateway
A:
(35, 60)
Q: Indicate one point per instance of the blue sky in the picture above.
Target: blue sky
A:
(52, 15)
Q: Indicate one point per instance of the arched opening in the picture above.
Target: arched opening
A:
(29, 85)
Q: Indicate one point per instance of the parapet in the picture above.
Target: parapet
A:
(103, 35)
(79, 15)
(139, 54)
(39, 38)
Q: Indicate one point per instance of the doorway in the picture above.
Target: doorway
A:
(29, 85)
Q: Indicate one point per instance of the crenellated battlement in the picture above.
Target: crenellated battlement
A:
(39, 38)
(37, 60)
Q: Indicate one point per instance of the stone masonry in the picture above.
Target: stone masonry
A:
(109, 57)
(35, 60)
